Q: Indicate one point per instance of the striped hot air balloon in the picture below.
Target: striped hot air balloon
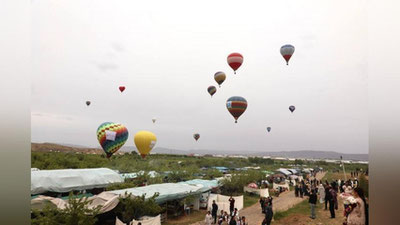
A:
(236, 105)
(287, 52)
(196, 136)
(219, 77)
(211, 90)
(235, 60)
(112, 136)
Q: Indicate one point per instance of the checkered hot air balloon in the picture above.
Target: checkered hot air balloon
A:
(236, 106)
(196, 136)
(211, 90)
(235, 60)
(112, 136)
(287, 52)
(219, 77)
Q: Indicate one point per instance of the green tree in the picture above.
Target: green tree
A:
(134, 207)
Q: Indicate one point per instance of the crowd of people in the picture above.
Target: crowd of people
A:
(355, 203)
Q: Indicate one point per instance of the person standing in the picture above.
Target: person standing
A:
(268, 213)
(327, 196)
(333, 205)
(301, 190)
(208, 219)
(231, 204)
(244, 221)
(296, 190)
(214, 211)
(359, 215)
(321, 191)
(262, 201)
(313, 201)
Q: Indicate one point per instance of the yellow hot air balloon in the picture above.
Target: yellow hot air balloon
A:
(145, 141)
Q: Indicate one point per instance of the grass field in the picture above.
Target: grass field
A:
(249, 200)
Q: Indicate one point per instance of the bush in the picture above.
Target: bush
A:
(363, 183)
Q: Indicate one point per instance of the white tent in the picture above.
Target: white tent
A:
(223, 202)
(67, 180)
(261, 192)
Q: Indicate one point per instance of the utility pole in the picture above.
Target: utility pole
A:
(344, 172)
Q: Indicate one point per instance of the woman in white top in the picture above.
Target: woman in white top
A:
(321, 191)
(209, 219)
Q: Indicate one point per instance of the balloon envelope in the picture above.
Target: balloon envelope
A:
(236, 106)
(235, 60)
(287, 52)
(154, 120)
(87, 103)
(196, 136)
(112, 136)
(211, 90)
(219, 77)
(292, 108)
(122, 88)
(145, 141)
(268, 129)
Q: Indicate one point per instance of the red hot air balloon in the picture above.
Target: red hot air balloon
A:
(236, 106)
(235, 60)
(122, 88)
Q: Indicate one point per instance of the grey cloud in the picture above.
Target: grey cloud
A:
(106, 66)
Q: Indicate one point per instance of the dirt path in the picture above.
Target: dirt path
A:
(285, 201)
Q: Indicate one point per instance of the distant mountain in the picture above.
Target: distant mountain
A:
(305, 154)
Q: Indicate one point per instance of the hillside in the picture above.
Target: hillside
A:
(47, 147)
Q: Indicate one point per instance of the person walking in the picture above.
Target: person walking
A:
(313, 201)
(359, 214)
(333, 205)
(208, 219)
(214, 211)
(231, 204)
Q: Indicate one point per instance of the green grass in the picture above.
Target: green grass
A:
(301, 208)
(335, 176)
(194, 217)
(250, 199)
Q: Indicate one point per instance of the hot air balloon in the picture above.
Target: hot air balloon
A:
(236, 105)
(122, 88)
(211, 90)
(219, 77)
(269, 129)
(235, 60)
(111, 136)
(196, 136)
(292, 108)
(154, 119)
(145, 141)
(87, 103)
(287, 52)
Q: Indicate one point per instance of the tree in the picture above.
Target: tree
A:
(363, 183)
(76, 212)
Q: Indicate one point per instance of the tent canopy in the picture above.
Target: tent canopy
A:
(67, 180)
(284, 171)
(167, 191)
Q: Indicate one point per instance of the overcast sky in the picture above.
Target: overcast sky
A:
(166, 54)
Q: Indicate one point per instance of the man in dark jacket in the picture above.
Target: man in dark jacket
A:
(268, 213)
(313, 202)
(214, 211)
(327, 196)
(231, 204)
(333, 200)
